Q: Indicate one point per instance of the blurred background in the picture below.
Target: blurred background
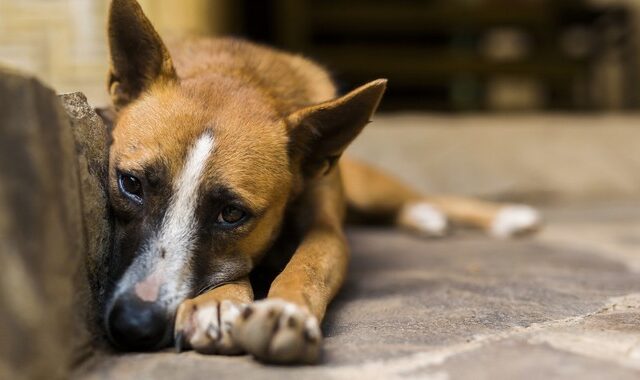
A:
(440, 55)
(533, 100)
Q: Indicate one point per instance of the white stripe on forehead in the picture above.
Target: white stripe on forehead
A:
(164, 260)
(177, 236)
(177, 233)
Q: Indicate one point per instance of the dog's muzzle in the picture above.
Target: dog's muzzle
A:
(135, 325)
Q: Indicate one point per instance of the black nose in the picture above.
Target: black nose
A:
(136, 325)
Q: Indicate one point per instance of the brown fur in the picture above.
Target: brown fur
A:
(279, 134)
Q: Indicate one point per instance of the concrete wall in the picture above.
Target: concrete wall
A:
(63, 42)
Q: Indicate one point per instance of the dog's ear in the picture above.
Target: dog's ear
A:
(138, 55)
(319, 134)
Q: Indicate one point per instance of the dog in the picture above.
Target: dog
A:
(226, 174)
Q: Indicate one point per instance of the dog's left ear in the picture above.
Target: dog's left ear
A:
(320, 134)
(138, 56)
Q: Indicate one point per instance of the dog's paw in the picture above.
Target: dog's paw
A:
(515, 220)
(424, 218)
(277, 331)
(206, 328)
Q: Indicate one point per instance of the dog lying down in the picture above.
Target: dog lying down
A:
(226, 169)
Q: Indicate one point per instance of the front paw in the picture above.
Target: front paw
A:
(206, 327)
(277, 331)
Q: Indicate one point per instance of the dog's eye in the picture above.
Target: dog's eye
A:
(131, 187)
(231, 215)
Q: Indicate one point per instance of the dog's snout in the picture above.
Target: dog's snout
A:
(136, 325)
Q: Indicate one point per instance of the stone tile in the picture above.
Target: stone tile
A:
(517, 359)
(462, 307)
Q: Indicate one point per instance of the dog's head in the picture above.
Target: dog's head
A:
(201, 172)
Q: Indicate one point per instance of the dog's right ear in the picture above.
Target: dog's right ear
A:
(319, 134)
(138, 55)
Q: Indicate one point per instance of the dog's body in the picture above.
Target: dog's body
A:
(226, 155)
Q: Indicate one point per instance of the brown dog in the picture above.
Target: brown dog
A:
(225, 155)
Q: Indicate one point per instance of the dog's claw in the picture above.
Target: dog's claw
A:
(277, 331)
(207, 327)
(179, 342)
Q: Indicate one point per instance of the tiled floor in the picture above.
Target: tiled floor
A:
(564, 304)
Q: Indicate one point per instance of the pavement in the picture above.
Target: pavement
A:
(564, 304)
(539, 157)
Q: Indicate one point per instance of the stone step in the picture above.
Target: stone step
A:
(53, 227)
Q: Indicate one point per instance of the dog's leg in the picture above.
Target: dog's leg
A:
(373, 194)
(285, 327)
(204, 323)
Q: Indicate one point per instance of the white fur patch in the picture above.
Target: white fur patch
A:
(279, 331)
(166, 256)
(177, 236)
(515, 219)
(425, 217)
(179, 224)
(209, 328)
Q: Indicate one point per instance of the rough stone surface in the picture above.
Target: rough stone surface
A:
(91, 142)
(92, 154)
(41, 237)
(563, 305)
(55, 229)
